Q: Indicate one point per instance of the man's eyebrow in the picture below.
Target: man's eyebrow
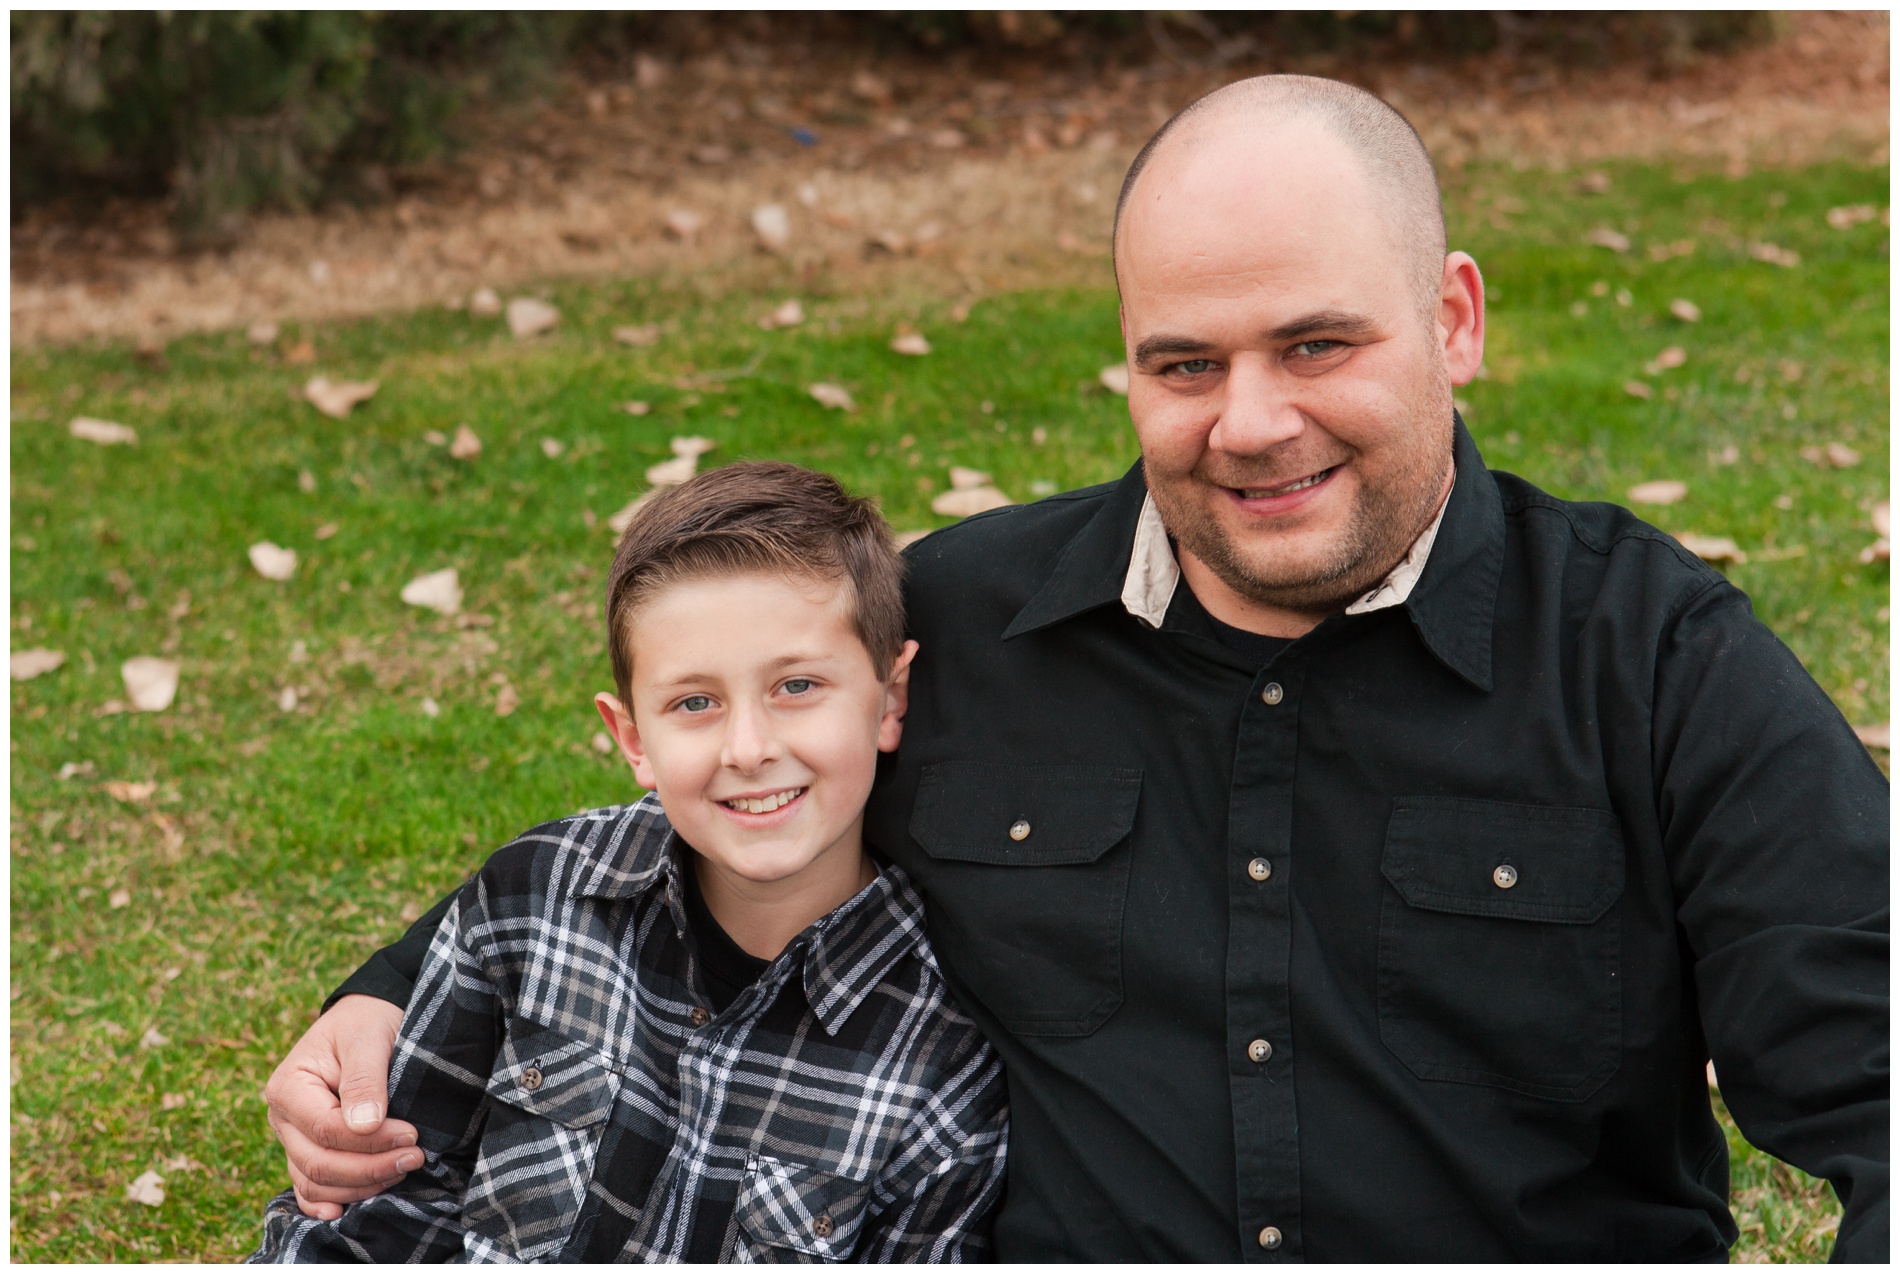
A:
(1154, 347)
(1333, 322)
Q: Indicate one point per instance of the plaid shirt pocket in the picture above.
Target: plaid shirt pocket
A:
(548, 1102)
(789, 1214)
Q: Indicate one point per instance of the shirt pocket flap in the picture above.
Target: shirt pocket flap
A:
(1024, 815)
(1469, 857)
(557, 1078)
(787, 1205)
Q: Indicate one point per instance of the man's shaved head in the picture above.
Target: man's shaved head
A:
(1387, 148)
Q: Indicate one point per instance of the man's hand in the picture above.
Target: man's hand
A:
(327, 1103)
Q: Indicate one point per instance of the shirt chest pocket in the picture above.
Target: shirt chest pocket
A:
(549, 1098)
(1027, 877)
(1500, 945)
(788, 1213)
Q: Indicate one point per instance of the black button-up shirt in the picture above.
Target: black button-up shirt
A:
(1537, 842)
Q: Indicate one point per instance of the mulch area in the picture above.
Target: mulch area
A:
(897, 174)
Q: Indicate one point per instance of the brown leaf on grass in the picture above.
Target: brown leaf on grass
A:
(963, 502)
(1875, 736)
(180, 1162)
(154, 1038)
(439, 591)
(1672, 357)
(1661, 491)
(947, 138)
(1882, 519)
(130, 793)
(1880, 550)
(1717, 550)
(528, 317)
(507, 699)
(788, 314)
(619, 522)
(272, 562)
(637, 334)
(1604, 237)
(262, 332)
(1840, 455)
(1637, 389)
(670, 473)
(118, 899)
(829, 395)
(913, 343)
(1114, 378)
(28, 664)
(104, 432)
(1592, 183)
(174, 841)
(173, 1101)
(1774, 254)
(684, 224)
(430, 708)
(150, 683)
(306, 481)
(466, 445)
(962, 479)
(1687, 311)
(336, 398)
(327, 530)
(147, 1188)
(636, 407)
(1846, 218)
(301, 354)
(907, 538)
(692, 446)
(602, 743)
(484, 303)
(773, 225)
(287, 699)
(552, 448)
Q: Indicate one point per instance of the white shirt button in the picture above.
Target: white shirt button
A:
(1270, 1238)
(1272, 694)
(1505, 876)
(1019, 830)
(1260, 869)
(1259, 1051)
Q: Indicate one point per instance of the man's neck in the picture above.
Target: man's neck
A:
(764, 916)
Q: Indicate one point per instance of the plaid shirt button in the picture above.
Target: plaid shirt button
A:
(531, 1078)
(699, 1016)
(822, 1227)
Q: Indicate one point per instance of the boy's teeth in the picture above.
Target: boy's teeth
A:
(765, 804)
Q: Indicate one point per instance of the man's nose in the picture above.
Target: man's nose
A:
(751, 742)
(1259, 409)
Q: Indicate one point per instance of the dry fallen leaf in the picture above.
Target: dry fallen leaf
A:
(287, 699)
(1882, 519)
(430, 708)
(262, 332)
(602, 743)
(670, 473)
(966, 501)
(327, 530)
(485, 303)
(336, 398)
(1687, 311)
(1774, 254)
(439, 591)
(638, 334)
(117, 900)
(1604, 237)
(466, 445)
(150, 683)
(788, 314)
(692, 446)
(683, 224)
(619, 522)
(147, 1188)
(1114, 378)
(636, 407)
(1718, 550)
(103, 432)
(1674, 356)
(552, 448)
(173, 1101)
(507, 699)
(1876, 736)
(303, 352)
(912, 343)
(773, 225)
(154, 1038)
(528, 316)
(1593, 183)
(1661, 491)
(273, 562)
(907, 538)
(1850, 216)
(74, 768)
(962, 479)
(1840, 455)
(1637, 389)
(131, 793)
(830, 395)
(1880, 550)
(28, 664)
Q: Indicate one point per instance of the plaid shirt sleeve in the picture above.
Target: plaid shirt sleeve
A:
(444, 1055)
(937, 1194)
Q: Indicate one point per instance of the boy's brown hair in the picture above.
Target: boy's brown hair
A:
(759, 516)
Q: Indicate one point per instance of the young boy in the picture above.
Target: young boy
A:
(705, 1026)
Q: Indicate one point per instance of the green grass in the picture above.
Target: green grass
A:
(307, 835)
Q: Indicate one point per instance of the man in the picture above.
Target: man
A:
(1351, 852)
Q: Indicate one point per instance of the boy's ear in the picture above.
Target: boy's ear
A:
(626, 734)
(890, 727)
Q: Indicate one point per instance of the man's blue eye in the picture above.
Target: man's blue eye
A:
(1313, 349)
(797, 686)
(1194, 366)
(696, 703)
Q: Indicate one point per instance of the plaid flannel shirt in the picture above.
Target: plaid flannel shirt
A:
(575, 1099)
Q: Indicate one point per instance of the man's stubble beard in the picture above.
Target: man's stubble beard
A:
(1385, 522)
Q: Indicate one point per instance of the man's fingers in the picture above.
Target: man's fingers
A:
(343, 1176)
(303, 1107)
(317, 1211)
(363, 1086)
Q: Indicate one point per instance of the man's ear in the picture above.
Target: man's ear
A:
(890, 727)
(1461, 317)
(626, 734)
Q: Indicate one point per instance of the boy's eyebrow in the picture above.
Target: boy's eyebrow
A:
(783, 661)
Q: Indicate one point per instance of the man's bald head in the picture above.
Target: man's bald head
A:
(1388, 151)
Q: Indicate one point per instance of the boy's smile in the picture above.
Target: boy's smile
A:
(757, 715)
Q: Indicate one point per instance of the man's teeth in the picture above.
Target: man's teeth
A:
(1259, 493)
(764, 804)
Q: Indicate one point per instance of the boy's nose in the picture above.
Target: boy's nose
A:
(750, 740)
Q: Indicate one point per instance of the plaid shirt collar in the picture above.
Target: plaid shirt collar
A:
(844, 955)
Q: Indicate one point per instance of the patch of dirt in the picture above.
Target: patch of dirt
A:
(947, 176)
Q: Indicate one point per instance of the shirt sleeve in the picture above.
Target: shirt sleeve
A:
(935, 1199)
(445, 1051)
(390, 974)
(1775, 820)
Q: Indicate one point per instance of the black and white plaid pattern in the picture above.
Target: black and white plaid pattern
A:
(576, 1103)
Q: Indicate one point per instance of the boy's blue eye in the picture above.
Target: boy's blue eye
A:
(797, 686)
(696, 703)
